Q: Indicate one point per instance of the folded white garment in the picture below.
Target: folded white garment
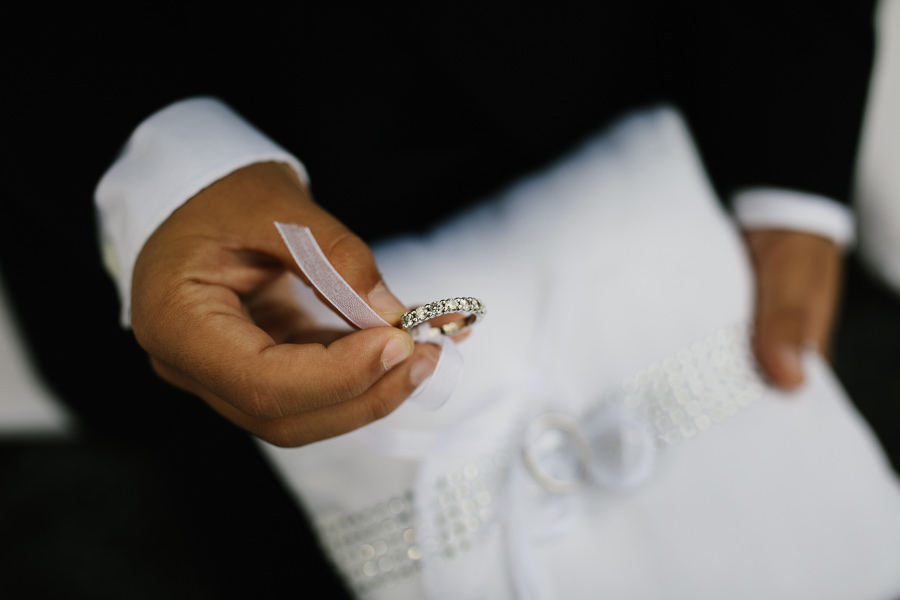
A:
(614, 355)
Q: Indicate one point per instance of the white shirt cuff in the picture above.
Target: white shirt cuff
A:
(169, 158)
(772, 208)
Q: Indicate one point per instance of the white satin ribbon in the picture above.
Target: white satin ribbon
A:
(301, 243)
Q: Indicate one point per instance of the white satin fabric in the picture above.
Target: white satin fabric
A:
(611, 261)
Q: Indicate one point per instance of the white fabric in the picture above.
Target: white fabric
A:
(168, 159)
(28, 406)
(789, 499)
(768, 208)
(877, 193)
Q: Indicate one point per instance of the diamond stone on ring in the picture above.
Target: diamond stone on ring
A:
(474, 307)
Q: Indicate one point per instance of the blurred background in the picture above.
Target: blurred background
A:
(72, 502)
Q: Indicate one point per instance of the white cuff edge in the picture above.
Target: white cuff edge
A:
(773, 208)
(169, 158)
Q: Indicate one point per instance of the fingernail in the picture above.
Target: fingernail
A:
(791, 364)
(422, 368)
(384, 302)
(398, 349)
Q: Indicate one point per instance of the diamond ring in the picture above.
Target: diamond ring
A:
(473, 307)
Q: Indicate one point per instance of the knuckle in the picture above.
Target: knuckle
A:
(346, 249)
(239, 389)
(253, 390)
(260, 401)
(256, 403)
(351, 387)
(158, 325)
(378, 407)
(789, 313)
(782, 315)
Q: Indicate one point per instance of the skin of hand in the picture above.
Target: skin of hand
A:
(798, 279)
(213, 308)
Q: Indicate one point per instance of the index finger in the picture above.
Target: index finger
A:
(237, 361)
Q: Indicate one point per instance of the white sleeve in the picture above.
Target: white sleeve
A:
(877, 193)
(775, 208)
(169, 158)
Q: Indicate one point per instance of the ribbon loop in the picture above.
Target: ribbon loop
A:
(434, 391)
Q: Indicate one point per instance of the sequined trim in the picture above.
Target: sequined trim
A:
(376, 547)
(373, 547)
(464, 498)
(701, 385)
